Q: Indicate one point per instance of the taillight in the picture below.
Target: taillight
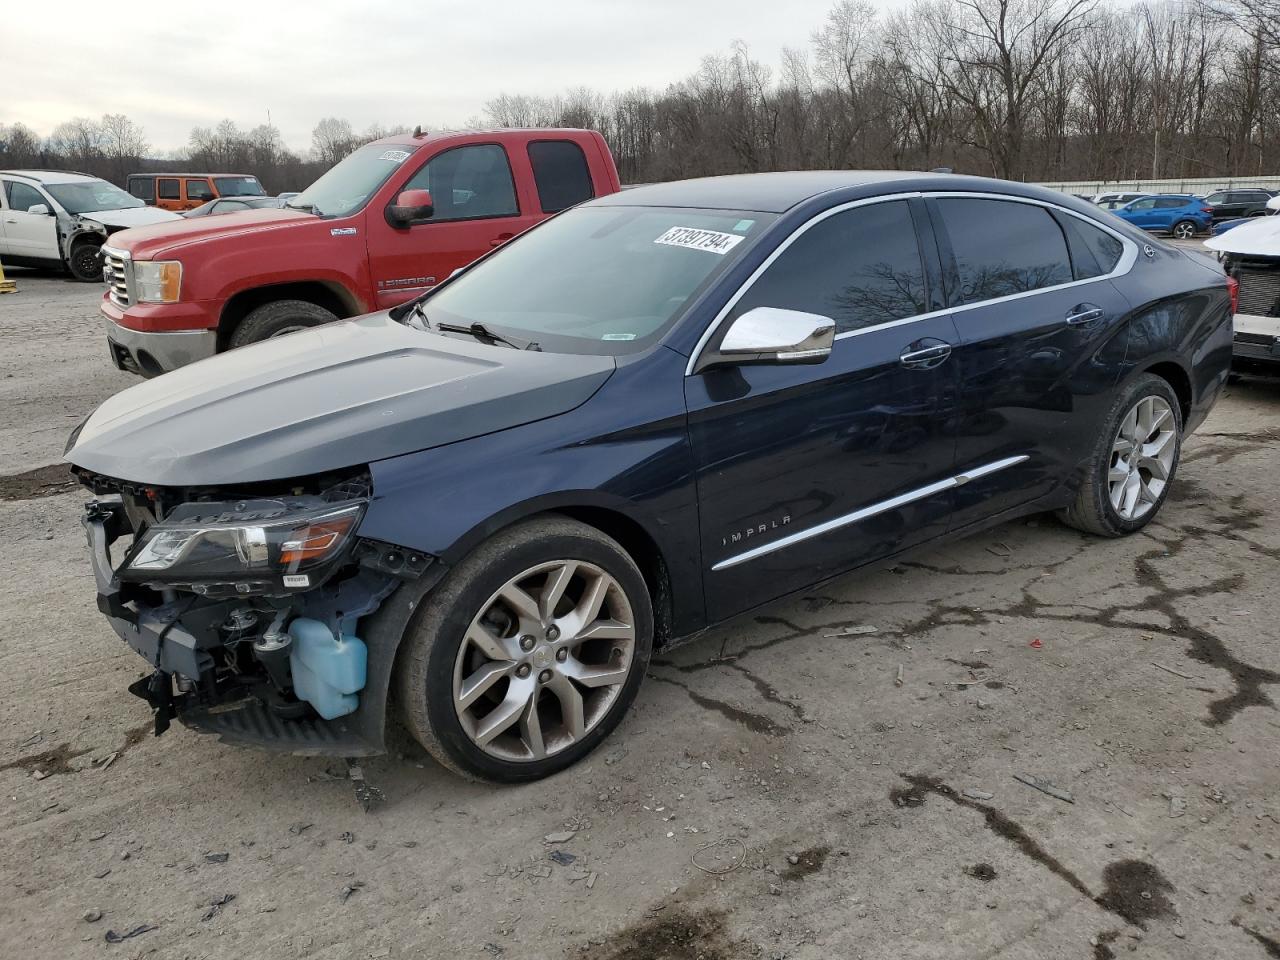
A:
(1233, 291)
(1208, 210)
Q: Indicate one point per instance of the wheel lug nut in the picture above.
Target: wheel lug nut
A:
(544, 676)
(527, 643)
(562, 654)
(553, 633)
(523, 670)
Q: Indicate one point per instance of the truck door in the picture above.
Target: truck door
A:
(477, 208)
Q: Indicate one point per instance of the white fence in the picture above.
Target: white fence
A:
(1199, 186)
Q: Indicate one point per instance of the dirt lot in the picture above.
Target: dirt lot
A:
(774, 794)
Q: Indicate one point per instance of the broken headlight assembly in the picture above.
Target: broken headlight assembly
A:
(245, 546)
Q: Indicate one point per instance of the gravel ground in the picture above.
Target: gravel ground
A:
(773, 794)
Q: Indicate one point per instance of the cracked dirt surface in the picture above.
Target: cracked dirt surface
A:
(874, 820)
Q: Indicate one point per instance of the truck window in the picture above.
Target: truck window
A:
(168, 190)
(561, 174)
(468, 183)
(199, 190)
(144, 188)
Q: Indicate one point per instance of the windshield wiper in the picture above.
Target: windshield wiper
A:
(484, 334)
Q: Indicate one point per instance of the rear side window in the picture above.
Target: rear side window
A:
(1170, 203)
(1094, 252)
(561, 174)
(168, 190)
(468, 183)
(199, 190)
(1003, 247)
(144, 188)
(860, 267)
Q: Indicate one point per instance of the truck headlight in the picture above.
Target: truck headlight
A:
(252, 546)
(158, 281)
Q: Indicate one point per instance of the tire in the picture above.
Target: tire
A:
(1096, 510)
(1184, 229)
(277, 318)
(439, 654)
(85, 263)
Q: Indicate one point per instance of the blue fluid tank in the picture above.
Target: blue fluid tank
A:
(328, 671)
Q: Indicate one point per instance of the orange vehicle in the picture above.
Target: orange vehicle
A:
(185, 191)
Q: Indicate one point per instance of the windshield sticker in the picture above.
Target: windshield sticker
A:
(618, 336)
(742, 226)
(395, 156)
(710, 240)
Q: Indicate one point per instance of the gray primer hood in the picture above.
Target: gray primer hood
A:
(339, 395)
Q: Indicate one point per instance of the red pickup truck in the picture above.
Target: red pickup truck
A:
(386, 224)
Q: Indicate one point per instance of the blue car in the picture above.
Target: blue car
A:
(1181, 216)
(645, 416)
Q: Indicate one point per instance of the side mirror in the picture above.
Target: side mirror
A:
(773, 335)
(40, 210)
(412, 206)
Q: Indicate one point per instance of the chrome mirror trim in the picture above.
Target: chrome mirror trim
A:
(773, 335)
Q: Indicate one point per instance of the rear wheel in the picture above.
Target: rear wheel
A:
(529, 653)
(278, 318)
(1134, 463)
(1184, 229)
(86, 262)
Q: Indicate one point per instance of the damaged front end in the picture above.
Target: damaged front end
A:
(255, 606)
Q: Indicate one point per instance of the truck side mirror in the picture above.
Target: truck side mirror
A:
(412, 206)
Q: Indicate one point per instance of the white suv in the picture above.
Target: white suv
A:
(52, 218)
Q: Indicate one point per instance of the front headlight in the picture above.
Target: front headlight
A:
(252, 546)
(158, 281)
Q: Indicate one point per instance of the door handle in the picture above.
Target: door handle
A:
(1082, 314)
(501, 239)
(10, 220)
(924, 357)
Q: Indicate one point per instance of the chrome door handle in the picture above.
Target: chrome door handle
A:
(926, 356)
(1083, 315)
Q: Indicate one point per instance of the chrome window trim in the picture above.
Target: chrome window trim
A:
(1127, 259)
(863, 513)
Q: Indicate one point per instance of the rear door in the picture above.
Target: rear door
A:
(804, 471)
(169, 193)
(29, 234)
(477, 208)
(1038, 354)
(1168, 211)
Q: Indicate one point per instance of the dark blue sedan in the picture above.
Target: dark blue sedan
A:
(645, 416)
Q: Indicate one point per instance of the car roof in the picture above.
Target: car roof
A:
(50, 176)
(180, 173)
(779, 192)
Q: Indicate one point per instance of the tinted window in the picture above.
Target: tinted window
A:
(199, 190)
(22, 197)
(1170, 203)
(168, 189)
(1252, 196)
(1002, 248)
(1094, 252)
(860, 267)
(144, 188)
(561, 174)
(468, 182)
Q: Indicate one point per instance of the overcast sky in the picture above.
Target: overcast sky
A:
(173, 65)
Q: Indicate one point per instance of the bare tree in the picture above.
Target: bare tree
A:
(331, 140)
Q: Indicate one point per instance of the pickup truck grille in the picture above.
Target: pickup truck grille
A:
(1259, 288)
(115, 273)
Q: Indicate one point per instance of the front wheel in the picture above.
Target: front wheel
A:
(1184, 230)
(529, 653)
(86, 262)
(278, 318)
(1133, 464)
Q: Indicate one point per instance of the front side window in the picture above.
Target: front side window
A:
(598, 280)
(560, 173)
(1216, 198)
(22, 197)
(199, 190)
(860, 267)
(1004, 247)
(168, 190)
(1148, 203)
(238, 187)
(468, 183)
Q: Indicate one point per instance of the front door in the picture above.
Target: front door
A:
(1142, 213)
(29, 234)
(806, 471)
(1039, 350)
(476, 209)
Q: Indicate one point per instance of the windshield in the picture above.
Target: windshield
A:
(91, 195)
(348, 186)
(598, 280)
(238, 186)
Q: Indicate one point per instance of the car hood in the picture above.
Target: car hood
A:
(149, 242)
(1258, 238)
(131, 216)
(339, 395)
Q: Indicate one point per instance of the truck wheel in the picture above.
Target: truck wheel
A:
(86, 262)
(528, 654)
(277, 318)
(1133, 463)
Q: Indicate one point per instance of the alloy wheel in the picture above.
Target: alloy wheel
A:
(1184, 231)
(544, 660)
(1142, 457)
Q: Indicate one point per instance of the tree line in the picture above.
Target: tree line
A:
(1021, 89)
